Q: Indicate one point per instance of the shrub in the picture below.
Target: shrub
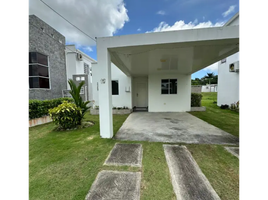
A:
(67, 115)
(39, 108)
(224, 106)
(196, 99)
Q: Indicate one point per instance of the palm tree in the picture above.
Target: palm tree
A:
(209, 76)
(75, 92)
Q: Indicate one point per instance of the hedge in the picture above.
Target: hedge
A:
(39, 108)
(196, 99)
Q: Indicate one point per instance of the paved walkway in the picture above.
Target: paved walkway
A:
(115, 185)
(177, 127)
(189, 183)
(233, 150)
(125, 154)
(187, 178)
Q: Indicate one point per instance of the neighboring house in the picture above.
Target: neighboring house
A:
(79, 68)
(209, 88)
(228, 74)
(153, 70)
(47, 70)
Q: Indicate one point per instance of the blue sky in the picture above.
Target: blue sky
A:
(122, 17)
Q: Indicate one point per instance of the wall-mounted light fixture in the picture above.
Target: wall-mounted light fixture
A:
(127, 89)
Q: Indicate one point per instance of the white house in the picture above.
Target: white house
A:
(121, 87)
(79, 68)
(154, 69)
(228, 74)
(209, 88)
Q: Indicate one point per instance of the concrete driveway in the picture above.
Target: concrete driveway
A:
(172, 128)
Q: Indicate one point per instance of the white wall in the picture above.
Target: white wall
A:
(70, 66)
(124, 98)
(228, 82)
(76, 67)
(179, 102)
(209, 88)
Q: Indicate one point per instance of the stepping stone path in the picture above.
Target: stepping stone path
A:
(119, 185)
(233, 150)
(125, 154)
(187, 178)
(115, 185)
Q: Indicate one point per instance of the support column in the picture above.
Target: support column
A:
(105, 93)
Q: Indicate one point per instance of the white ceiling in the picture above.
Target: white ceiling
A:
(184, 58)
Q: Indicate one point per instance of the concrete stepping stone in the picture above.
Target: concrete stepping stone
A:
(115, 185)
(187, 178)
(233, 150)
(125, 154)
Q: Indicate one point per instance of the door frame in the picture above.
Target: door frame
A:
(136, 81)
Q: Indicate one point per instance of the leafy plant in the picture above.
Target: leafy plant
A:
(75, 92)
(196, 99)
(67, 115)
(39, 108)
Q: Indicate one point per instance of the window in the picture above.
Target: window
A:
(86, 68)
(38, 70)
(115, 90)
(169, 86)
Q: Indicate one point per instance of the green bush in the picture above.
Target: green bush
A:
(39, 108)
(67, 115)
(196, 99)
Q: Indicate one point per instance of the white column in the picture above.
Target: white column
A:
(105, 93)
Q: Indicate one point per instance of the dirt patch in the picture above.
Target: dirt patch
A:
(90, 137)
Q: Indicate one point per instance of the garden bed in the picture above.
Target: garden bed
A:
(39, 121)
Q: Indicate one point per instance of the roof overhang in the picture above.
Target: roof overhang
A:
(184, 51)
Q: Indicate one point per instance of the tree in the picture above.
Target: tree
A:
(75, 92)
(209, 77)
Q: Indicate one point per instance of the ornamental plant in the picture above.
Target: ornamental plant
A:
(75, 92)
(67, 115)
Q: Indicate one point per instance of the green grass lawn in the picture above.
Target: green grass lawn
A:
(226, 120)
(63, 165)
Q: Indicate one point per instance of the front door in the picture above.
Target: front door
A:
(142, 95)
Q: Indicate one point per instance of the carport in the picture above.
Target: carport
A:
(160, 60)
(177, 127)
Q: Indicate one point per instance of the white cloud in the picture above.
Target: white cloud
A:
(229, 11)
(88, 49)
(96, 18)
(212, 68)
(180, 25)
(139, 29)
(161, 12)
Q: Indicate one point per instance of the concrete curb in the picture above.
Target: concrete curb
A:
(198, 109)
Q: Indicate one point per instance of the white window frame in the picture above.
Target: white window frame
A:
(168, 86)
(112, 88)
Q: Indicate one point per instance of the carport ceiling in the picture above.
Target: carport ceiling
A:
(184, 58)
